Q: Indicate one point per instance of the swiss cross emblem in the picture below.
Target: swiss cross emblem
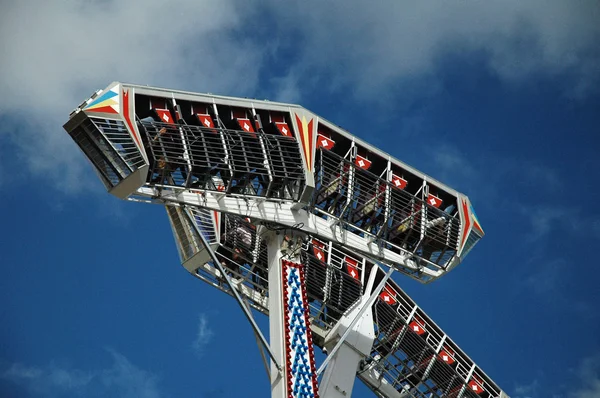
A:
(164, 115)
(388, 296)
(416, 328)
(206, 120)
(284, 129)
(446, 357)
(352, 265)
(324, 142)
(361, 162)
(434, 200)
(318, 250)
(246, 125)
(398, 182)
(475, 387)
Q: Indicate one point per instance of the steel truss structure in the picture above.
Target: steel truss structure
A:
(301, 221)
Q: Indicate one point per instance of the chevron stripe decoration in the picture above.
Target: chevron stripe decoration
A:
(301, 376)
(107, 102)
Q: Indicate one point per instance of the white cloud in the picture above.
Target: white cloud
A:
(55, 54)
(546, 219)
(589, 379)
(121, 380)
(374, 44)
(50, 380)
(203, 336)
(546, 279)
(527, 390)
(127, 380)
(582, 381)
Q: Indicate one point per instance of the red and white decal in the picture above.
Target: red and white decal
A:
(165, 116)
(388, 296)
(245, 125)
(284, 129)
(319, 250)
(325, 142)
(434, 200)
(447, 356)
(352, 266)
(475, 385)
(398, 182)
(416, 327)
(362, 162)
(205, 120)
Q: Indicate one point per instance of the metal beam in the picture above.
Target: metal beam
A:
(358, 316)
(237, 296)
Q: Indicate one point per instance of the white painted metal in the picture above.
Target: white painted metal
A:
(350, 341)
(276, 362)
(283, 213)
(353, 337)
(276, 324)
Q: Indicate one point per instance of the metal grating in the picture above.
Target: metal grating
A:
(224, 160)
(409, 348)
(472, 239)
(187, 239)
(414, 355)
(120, 139)
(107, 162)
(370, 205)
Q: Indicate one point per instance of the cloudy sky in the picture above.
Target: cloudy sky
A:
(500, 99)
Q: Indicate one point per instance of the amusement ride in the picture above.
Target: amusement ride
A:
(297, 219)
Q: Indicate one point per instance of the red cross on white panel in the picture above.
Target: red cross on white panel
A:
(206, 120)
(361, 162)
(324, 142)
(318, 250)
(475, 387)
(352, 265)
(434, 200)
(446, 356)
(398, 182)
(388, 296)
(416, 328)
(246, 125)
(284, 129)
(165, 116)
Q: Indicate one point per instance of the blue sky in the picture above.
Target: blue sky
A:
(500, 100)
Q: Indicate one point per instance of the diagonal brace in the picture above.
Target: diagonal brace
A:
(368, 304)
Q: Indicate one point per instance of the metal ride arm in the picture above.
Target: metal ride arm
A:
(339, 379)
(295, 175)
(239, 299)
(356, 318)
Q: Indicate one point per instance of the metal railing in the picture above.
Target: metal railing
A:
(120, 140)
(408, 359)
(231, 161)
(367, 204)
(107, 161)
(411, 353)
